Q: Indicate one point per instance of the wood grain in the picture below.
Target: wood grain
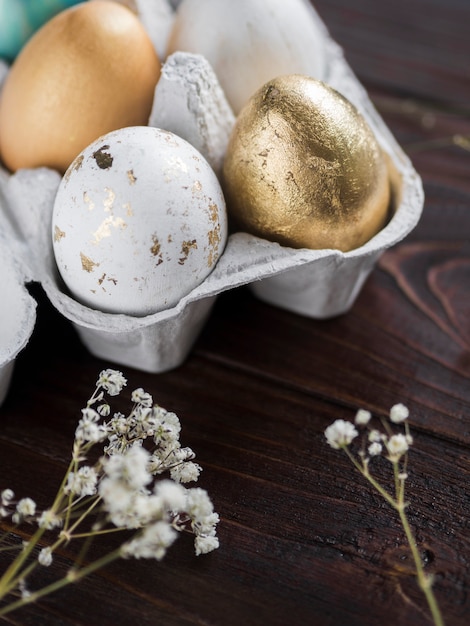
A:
(303, 539)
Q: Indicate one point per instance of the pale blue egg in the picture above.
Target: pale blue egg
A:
(19, 19)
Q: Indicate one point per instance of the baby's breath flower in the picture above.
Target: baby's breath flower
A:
(172, 495)
(119, 424)
(140, 396)
(167, 427)
(203, 545)
(111, 381)
(45, 557)
(203, 520)
(396, 445)
(151, 543)
(25, 509)
(375, 436)
(399, 413)
(130, 467)
(24, 591)
(129, 509)
(144, 422)
(118, 503)
(185, 472)
(89, 415)
(104, 409)
(205, 526)
(7, 496)
(362, 417)
(49, 520)
(88, 429)
(184, 454)
(340, 434)
(375, 449)
(198, 504)
(83, 482)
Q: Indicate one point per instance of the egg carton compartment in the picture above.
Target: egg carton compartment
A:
(17, 307)
(190, 102)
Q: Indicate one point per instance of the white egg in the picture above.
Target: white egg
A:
(249, 42)
(139, 221)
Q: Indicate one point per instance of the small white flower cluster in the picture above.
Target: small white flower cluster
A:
(23, 510)
(122, 488)
(341, 434)
(125, 483)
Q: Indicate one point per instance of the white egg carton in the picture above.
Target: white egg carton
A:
(190, 102)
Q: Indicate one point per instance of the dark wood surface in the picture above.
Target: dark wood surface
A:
(303, 539)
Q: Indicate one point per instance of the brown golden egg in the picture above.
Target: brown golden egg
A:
(89, 70)
(304, 168)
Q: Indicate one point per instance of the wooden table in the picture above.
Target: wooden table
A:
(304, 540)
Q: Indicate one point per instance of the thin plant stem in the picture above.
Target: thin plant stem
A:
(364, 470)
(72, 577)
(424, 581)
(96, 533)
(9, 579)
(93, 505)
(10, 548)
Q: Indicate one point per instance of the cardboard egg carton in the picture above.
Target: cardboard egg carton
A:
(190, 102)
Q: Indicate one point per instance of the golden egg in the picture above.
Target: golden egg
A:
(89, 70)
(303, 168)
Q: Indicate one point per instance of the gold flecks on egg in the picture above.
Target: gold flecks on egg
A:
(104, 277)
(175, 165)
(128, 208)
(131, 177)
(197, 187)
(186, 248)
(87, 264)
(303, 168)
(58, 234)
(88, 201)
(214, 240)
(74, 167)
(156, 249)
(213, 212)
(104, 229)
(213, 235)
(108, 202)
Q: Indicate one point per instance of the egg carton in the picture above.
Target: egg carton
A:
(190, 102)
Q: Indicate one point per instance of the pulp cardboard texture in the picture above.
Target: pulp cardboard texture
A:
(190, 102)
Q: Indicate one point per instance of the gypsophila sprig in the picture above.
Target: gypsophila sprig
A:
(137, 485)
(394, 446)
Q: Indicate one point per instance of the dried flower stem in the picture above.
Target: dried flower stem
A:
(399, 504)
(73, 576)
(8, 580)
(341, 434)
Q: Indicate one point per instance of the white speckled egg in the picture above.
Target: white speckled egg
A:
(139, 221)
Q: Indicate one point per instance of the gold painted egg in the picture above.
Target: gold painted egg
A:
(304, 168)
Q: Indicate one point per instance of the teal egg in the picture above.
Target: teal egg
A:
(19, 19)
